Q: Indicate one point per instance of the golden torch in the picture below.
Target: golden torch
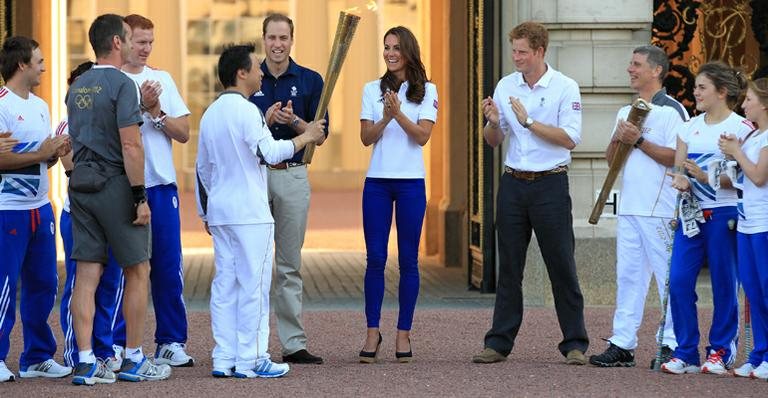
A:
(345, 30)
(637, 115)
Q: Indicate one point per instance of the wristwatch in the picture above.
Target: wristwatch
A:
(159, 122)
(639, 142)
(528, 122)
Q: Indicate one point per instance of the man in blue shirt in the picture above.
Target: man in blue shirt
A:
(289, 98)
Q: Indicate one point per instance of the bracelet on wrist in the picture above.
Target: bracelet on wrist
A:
(679, 170)
(639, 142)
(139, 194)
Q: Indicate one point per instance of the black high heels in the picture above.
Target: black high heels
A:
(405, 357)
(370, 356)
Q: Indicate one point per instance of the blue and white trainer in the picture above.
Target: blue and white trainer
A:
(144, 370)
(245, 374)
(269, 369)
(223, 372)
(88, 374)
(49, 368)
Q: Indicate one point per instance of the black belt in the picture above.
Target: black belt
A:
(284, 165)
(533, 175)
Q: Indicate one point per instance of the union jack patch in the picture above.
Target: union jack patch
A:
(576, 106)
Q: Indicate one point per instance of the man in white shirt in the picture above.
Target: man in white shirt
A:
(27, 230)
(233, 202)
(165, 119)
(539, 109)
(643, 236)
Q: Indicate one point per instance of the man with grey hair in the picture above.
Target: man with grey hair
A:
(646, 206)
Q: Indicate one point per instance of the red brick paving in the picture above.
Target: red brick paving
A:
(443, 343)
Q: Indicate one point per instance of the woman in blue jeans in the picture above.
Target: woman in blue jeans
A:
(398, 112)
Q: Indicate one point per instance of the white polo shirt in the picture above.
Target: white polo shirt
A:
(231, 183)
(395, 154)
(554, 100)
(753, 206)
(701, 139)
(646, 190)
(158, 151)
(29, 122)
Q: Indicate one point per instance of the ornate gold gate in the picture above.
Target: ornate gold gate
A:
(694, 32)
(483, 166)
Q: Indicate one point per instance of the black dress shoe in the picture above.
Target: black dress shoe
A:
(405, 357)
(370, 356)
(302, 356)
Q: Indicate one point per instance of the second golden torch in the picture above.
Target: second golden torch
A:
(345, 30)
(637, 115)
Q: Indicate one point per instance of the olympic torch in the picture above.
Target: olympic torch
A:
(637, 114)
(345, 30)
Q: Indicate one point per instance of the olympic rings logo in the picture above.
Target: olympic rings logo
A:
(84, 101)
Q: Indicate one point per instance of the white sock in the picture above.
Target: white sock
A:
(87, 356)
(134, 354)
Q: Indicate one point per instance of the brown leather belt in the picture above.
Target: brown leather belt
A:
(532, 175)
(284, 165)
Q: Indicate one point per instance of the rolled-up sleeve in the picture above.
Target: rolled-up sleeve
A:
(569, 115)
(366, 107)
(428, 109)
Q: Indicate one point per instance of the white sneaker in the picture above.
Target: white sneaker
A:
(678, 366)
(173, 354)
(269, 369)
(714, 364)
(115, 362)
(49, 368)
(744, 370)
(5, 373)
(760, 372)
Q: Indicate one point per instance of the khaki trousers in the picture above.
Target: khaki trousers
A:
(289, 200)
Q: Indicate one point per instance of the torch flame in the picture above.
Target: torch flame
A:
(352, 10)
(372, 6)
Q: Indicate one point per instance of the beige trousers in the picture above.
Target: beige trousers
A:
(289, 199)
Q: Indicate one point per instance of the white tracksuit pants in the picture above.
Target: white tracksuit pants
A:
(240, 294)
(643, 248)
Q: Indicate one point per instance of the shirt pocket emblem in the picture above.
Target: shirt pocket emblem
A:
(294, 91)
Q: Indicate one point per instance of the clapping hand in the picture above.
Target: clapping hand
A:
(520, 112)
(490, 111)
(391, 104)
(729, 144)
(150, 94)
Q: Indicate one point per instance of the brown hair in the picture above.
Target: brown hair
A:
(16, 50)
(724, 77)
(760, 88)
(536, 33)
(276, 18)
(138, 21)
(415, 73)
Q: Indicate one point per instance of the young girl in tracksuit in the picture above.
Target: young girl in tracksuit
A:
(752, 156)
(718, 89)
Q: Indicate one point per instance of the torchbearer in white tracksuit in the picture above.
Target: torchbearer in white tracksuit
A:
(232, 201)
(643, 236)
